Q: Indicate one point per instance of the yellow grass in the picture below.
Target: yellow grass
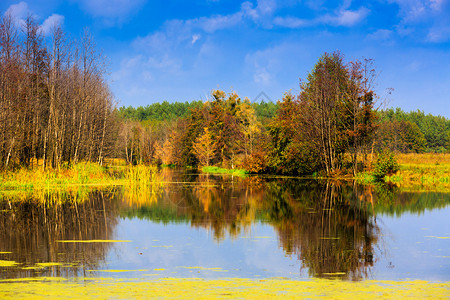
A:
(141, 183)
(85, 173)
(429, 171)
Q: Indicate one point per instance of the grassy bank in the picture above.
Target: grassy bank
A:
(217, 170)
(141, 184)
(429, 171)
(85, 174)
(79, 174)
(417, 172)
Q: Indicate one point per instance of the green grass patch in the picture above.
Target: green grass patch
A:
(365, 178)
(217, 170)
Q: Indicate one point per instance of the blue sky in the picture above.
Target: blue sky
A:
(178, 50)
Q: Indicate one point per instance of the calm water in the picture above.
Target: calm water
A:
(222, 226)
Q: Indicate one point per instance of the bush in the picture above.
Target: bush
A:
(255, 162)
(386, 165)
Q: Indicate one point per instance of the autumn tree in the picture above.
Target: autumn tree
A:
(332, 117)
(358, 104)
(291, 149)
(338, 99)
(204, 147)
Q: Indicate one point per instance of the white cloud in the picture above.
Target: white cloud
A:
(414, 66)
(215, 23)
(437, 4)
(439, 34)
(21, 11)
(349, 18)
(262, 76)
(267, 66)
(166, 63)
(290, 22)
(18, 11)
(424, 20)
(262, 13)
(51, 22)
(346, 17)
(381, 35)
(195, 38)
(343, 17)
(112, 11)
(412, 11)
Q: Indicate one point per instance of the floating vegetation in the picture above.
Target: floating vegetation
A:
(438, 237)
(201, 268)
(183, 288)
(7, 263)
(119, 271)
(39, 266)
(93, 241)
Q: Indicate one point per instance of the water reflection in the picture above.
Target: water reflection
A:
(31, 230)
(331, 227)
(328, 226)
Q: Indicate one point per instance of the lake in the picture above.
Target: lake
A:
(193, 225)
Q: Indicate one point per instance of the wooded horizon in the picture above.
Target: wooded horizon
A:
(57, 109)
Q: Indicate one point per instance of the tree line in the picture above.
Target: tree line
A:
(166, 111)
(331, 126)
(413, 132)
(56, 109)
(278, 145)
(55, 106)
(332, 117)
(397, 130)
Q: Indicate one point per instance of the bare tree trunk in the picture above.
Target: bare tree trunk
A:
(9, 152)
(100, 156)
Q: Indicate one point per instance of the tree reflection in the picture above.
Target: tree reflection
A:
(327, 225)
(221, 204)
(31, 228)
(330, 226)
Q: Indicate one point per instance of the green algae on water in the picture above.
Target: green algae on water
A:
(194, 288)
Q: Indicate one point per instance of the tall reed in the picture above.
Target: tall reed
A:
(142, 184)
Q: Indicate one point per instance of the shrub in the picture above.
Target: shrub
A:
(386, 165)
(255, 162)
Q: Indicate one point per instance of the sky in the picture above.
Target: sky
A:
(177, 50)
